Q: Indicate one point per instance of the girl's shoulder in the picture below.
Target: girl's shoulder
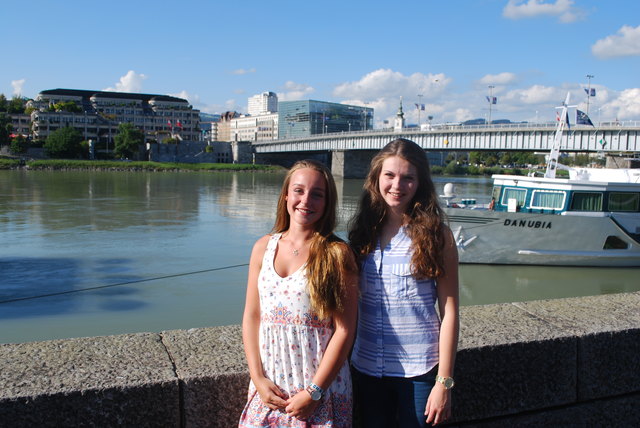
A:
(261, 244)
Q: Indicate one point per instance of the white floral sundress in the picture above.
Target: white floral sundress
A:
(292, 343)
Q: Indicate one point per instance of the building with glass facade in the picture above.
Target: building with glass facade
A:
(311, 117)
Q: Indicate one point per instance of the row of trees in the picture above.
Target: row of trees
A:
(68, 143)
(16, 105)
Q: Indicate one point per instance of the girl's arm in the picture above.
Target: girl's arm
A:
(438, 407)
(301, 405)
(269, 392)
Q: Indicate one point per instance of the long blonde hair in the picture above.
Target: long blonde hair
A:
(424, 218)
(328, 266)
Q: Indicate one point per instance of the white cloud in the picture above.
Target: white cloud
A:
(625, 107)
(563, 9)
(17, 86)
(625, 43)
(242, 71)
(536, 94)
(462, 114)
(498, 79)
(295, 91)
(130, 82)
(193, 99)
(384, 83)
(381, 89)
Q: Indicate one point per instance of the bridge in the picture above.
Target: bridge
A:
(349, 153)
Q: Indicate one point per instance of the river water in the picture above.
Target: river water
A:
(98, 253)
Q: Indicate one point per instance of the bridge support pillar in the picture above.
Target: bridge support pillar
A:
(351, 163)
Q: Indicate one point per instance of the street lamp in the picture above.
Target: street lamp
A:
(589, 77)
(490, 99)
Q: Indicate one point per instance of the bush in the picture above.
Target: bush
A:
(64, 143)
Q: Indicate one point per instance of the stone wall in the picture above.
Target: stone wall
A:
(566, 362)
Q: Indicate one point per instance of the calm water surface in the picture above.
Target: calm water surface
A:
(88, 253)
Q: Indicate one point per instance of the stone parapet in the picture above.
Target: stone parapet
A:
(562, 362)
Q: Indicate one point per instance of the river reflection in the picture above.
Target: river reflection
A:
(94, 253)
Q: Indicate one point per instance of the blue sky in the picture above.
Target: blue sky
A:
(217, 54)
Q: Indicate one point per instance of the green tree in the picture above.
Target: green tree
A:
(19, 145)
(5, 129)
(70, 106)
(64, 143)
(128, 140)
(16, 105)
(3, 103)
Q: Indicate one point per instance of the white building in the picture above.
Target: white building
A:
(263, 127)
(264, 103)
(97, 114)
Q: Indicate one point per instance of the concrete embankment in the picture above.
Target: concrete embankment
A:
(567, 362)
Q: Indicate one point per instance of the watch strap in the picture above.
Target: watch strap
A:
(315, 391)
(447, 382)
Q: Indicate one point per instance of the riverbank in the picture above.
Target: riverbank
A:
(99, 165)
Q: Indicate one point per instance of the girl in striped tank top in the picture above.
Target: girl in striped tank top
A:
(404, 353)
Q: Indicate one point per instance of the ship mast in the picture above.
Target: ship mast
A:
(552, 162)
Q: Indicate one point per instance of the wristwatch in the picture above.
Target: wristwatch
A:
(446, 381)
(315, 391)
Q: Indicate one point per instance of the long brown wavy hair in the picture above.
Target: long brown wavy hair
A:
(328, 264)
(424, 219)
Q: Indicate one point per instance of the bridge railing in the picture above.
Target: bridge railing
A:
(496, 127)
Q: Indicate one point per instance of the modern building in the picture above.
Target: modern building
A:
(311, 117)
(264, 103)
(97, 114)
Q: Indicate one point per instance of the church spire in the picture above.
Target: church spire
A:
(398, 124)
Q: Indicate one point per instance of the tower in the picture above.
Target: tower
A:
(398, 123)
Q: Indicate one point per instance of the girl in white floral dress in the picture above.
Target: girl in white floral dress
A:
(300, 312)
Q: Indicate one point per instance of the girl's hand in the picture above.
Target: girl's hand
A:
(438, 405)
(270, 394)
(301, 405)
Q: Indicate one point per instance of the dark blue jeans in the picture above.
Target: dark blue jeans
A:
(391, 401)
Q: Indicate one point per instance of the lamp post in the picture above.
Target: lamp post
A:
(490, 99)
(589, 77)
(419, 107)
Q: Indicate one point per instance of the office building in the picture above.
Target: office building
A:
(264, 103)
(311, 117)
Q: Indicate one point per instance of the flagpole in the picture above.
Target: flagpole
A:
(589, 77)
(490, 101)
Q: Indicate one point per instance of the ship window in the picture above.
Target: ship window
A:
(495, 194)
(547, 199)
(615, 243)
(513, 193)
(586, 201)
(619, 201)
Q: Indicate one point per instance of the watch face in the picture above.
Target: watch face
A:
(448, 383)
(316, 395)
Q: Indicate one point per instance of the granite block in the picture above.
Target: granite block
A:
(607, 328)
(510, 362)
(213, 372)
(617, 412)
(99, 381)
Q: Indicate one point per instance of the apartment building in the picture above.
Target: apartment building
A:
(98, 113)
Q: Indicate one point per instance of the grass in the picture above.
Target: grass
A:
(66, 164)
